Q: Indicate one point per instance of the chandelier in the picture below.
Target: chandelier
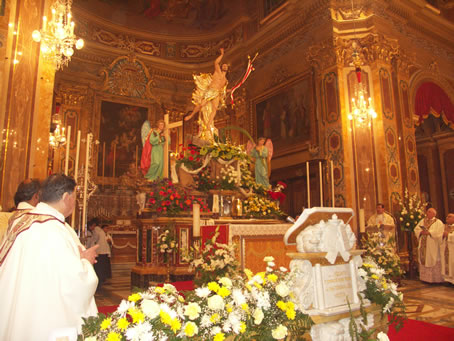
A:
(57, 137)
(57, 35)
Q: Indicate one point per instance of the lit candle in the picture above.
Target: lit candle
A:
(321, 183)
(362, 221)
(44, 23)
(76, 170)
(196, 220)
(87, 166)
(332, 182)
(68, 143)
(308, 181)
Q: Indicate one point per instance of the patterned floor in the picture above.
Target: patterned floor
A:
(432, 303)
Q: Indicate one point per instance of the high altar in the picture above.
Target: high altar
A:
(137, 66)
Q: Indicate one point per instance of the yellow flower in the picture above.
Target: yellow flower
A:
(215, 318)
(228, 307)
(258, 286)
(137, 316)
(181, 298)
(159, 290)
(175, 325)
(367, 265)
(106, 323)
(213, 286)
(242, 327)
(165, 318)
(290, 314)
(248, 287)
(223, 292)
(219, 337)
(248, 273)
(245, 307)
(190, 329)
(122, 324)
(272, 278)
(112, 336)
(134, 297)
(281, 305)
(374, 276)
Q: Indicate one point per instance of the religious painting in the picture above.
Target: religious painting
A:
(119, 137)
(284, 115)
(2, 7)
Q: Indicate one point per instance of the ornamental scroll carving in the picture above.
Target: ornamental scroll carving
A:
(128, 76)
(321, 55)
(372, 48)
(71, 95)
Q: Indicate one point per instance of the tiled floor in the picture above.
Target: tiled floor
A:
(432, 303)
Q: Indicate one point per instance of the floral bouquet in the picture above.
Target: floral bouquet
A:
(168, 199)
(229, 178)
(260, 207)
(411, 211)
(382, 291)
(276, 193)
(190, 157)
(166, 243)
(213, 260)
(383, 254)
(259, 307)
(204, 182)
(224, 151)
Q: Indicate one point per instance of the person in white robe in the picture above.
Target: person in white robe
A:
(47, 281)
(383, 223)
(447, 250)
(429, 233)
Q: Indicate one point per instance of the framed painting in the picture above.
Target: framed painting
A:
(119, 137)
(285, 115)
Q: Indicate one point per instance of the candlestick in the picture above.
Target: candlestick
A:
(68, 143)
(196, 220)
(332, 183)
(87, 166)
(362, 221)
(321, 183)
(308, 185)
(76, 170)
(114, 157)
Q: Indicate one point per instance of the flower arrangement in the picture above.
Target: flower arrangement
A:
(224, 151)
(276, 193)
(383, 253)
(168, 199)
(213, 260)
(203, 180)
(381, 290)
(261, 207)
(257, 306)
(166, 244)
(190, 157)
(411, 211)
(229, 178)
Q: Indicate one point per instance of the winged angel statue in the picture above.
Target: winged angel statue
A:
(262, 152)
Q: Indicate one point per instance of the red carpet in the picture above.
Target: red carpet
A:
(414, 330)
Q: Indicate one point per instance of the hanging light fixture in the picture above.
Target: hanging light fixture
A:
(57, 136)
(362, 109)
(57, 35)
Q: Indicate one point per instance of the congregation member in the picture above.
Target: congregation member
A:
(47, 281)
(99, 237)
(429, 233)
(447, 250)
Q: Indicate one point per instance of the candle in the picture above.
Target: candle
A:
(76, 170)
(44, 23)
(114, 157)
(68, 143)
(362, 221)
(87, 166)
(308, 181)
(332, 183)
(321, 183)
(196, 220)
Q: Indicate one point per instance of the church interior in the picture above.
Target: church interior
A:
(356, 98)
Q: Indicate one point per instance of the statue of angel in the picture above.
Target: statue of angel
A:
(262, 153)
(152, 160)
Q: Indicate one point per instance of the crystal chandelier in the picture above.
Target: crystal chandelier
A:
(57, 35)
(362, 109)
(57, 137)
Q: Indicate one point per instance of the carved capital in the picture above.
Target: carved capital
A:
(322, 54)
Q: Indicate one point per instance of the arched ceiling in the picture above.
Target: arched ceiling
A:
(167, 17)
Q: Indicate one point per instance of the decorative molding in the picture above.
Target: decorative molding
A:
(70, 94)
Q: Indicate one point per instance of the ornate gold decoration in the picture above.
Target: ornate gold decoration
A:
(322, 55)
(71, 95)
(128, 76)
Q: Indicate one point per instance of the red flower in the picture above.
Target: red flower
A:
(159, 209)
(167, 202)
(188, 202)
(161, 193)
(282, 184)
(163, 203)
(164, 208)
(169, 191)
(151, 194)
(193, 152)
(171, 197)
(181, 205)
(191, 158)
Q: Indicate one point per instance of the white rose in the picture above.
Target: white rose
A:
(150, 308)
(226, 282)
(192, 310)
(280, 332)
(258, 316)
(382, 337)
(216, 302)
(282, 289)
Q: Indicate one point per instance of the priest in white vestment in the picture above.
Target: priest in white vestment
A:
(429, 233)
(47, 281)
(447, 250)
(384, 223)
